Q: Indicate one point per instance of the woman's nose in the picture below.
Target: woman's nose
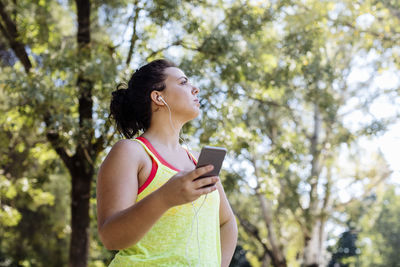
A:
(195, 90)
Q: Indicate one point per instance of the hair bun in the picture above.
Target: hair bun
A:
(117, 104)
(130, 105)
(120, 90)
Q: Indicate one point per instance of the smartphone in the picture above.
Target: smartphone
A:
(211, 155)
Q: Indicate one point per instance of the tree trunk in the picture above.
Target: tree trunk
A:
(80, 219)
(82, 168)
(81, 165)
(276, 252)
(315, 253)
(313, 248)
(278, 259)
(266, 261)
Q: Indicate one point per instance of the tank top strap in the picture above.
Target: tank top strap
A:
(148, 150)
(191, 156)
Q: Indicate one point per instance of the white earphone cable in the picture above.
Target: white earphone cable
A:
(196, 211)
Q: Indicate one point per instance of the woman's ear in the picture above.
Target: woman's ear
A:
(156, 97)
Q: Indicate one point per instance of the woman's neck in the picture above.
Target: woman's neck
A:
(164, 138)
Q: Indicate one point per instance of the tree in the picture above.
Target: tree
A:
(28, 193)
(378, 234)
(346, 248)
(287, 100)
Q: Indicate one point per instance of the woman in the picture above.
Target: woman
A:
(149, 205)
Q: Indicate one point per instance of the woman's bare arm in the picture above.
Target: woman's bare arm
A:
(228, 228)
(117, 187)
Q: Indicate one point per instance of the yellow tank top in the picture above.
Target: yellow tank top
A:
(170, 242)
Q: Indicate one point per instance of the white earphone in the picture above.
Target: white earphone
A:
(162, 99)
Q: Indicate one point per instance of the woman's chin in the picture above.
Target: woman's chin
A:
(190, 112)
(195, 113)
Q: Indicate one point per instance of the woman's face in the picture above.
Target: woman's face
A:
(180, 95)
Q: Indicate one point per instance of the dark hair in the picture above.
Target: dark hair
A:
(131, 107)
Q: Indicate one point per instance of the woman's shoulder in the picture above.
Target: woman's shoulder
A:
(126, 150)
(127, 145)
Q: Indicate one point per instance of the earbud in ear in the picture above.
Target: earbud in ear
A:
(162, 99)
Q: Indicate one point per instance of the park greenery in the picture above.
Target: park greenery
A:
(277, 89)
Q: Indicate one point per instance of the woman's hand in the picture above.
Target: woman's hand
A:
(183, 187)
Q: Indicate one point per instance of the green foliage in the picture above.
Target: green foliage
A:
(33, 199)
(379, 238)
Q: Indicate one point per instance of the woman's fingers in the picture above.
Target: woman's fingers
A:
(205, 181)
(207, 190)
(200, 171)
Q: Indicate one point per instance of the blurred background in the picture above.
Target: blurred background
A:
(304, 94)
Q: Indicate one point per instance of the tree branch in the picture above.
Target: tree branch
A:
(262, 101)
(54, 138)
(201, 46)
(383, 177)
(276, 104)
(252, 230)
(10, 32)
(381, 36)
(315, 163)
(297, 199)
(134, 34)
(178, 42)
(102, 141)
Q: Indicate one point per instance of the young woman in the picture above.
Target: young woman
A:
(149, 205)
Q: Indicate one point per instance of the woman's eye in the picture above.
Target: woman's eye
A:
(184, 82)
